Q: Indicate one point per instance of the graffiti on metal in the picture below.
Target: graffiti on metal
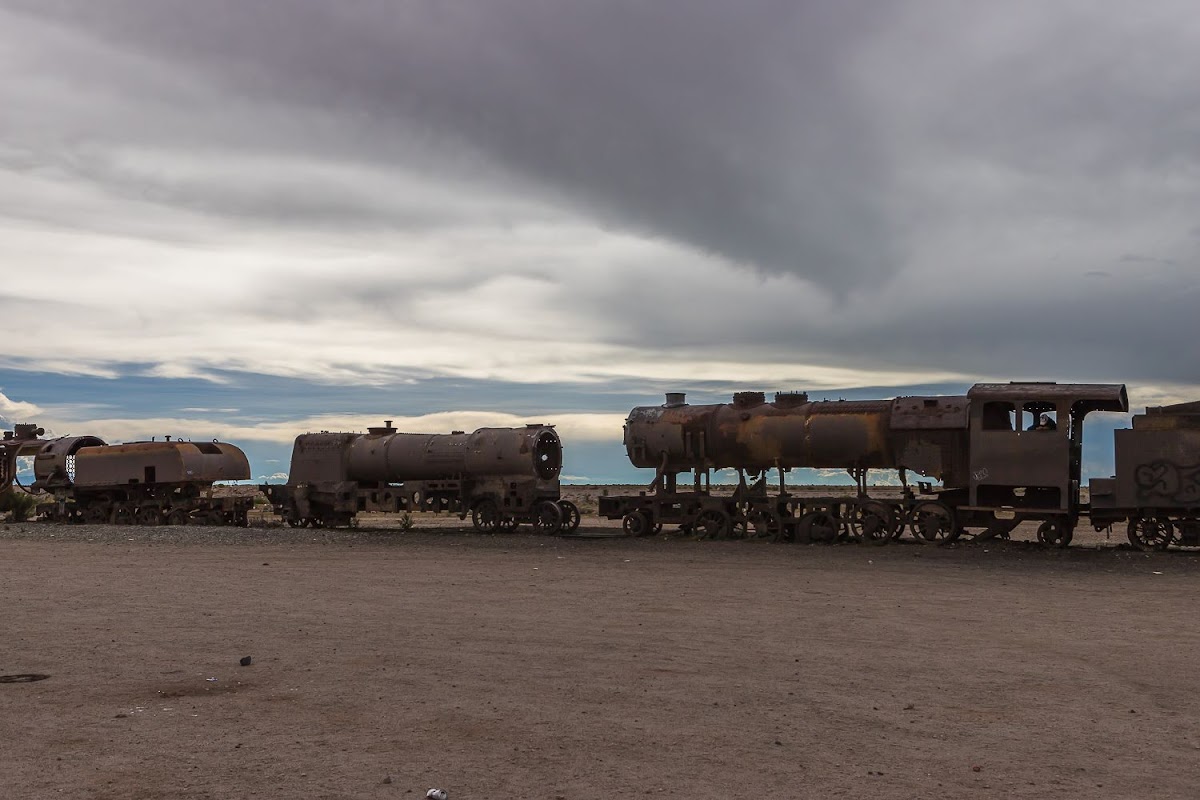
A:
(1169, 480)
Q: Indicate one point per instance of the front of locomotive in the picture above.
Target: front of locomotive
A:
(514, 476)
(534, 452)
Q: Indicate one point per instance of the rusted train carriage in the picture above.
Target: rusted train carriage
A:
(1155, 490)
(501, 477)
(147, 483)
(997, 465)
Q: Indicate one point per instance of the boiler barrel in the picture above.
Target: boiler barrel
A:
(534, 450)
(760, 436)
(159, 462)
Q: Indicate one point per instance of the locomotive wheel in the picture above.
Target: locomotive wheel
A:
(547, 517)
(817, 526)
(508, 524)
(872, 522)
(485, 516)
(768, 526)
(932, 522)
(148, 515)
(123, 515)
(712, 524)
(95, 515)
(180, 517)
(636, 523)
(570, 515)
(297, 522)
(1055, 532)
(1150, 533)
(316, 522)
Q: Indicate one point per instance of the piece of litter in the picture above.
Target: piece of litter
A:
(436, 794)
(211, 680)
(1158, 573)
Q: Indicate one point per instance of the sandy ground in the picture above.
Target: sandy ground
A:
(520, 666)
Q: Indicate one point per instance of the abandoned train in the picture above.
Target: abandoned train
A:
(1003, 453)
(147, 483)
(501, 477)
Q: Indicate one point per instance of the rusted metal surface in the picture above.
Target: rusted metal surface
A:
(159, 463)
(1158, 460)
(147, 483)
(54, 463)
(919, 413)
(1155, 490)
(754, 435)
(1087, 397)
(534, 450)
(1003, 453)
(1016, 462)
(23, 440)
(1175, 417)
(500, 476)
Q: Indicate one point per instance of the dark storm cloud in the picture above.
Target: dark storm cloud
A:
(999, 189)
(727, 127)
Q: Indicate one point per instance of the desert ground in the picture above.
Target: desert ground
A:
(386, 662)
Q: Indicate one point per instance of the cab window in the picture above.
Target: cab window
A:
(1039, 416)
(998, 416)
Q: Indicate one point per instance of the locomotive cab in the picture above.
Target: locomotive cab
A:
(1026, 442)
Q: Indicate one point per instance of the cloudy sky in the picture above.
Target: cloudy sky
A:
(251, 218)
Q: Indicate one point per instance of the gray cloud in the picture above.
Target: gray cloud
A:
(727, 129)
(881, 186)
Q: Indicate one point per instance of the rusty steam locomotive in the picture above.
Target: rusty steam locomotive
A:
(1004, 453)
(501, 477)
(147, 483)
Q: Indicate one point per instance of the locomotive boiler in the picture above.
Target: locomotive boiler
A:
(148, 483)
(501, 477)
(995, 464)
(754, 436)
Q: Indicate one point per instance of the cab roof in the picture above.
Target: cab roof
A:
(1080, 396)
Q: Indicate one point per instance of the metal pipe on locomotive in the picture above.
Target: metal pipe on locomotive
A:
(501, 477)
(996, 465)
